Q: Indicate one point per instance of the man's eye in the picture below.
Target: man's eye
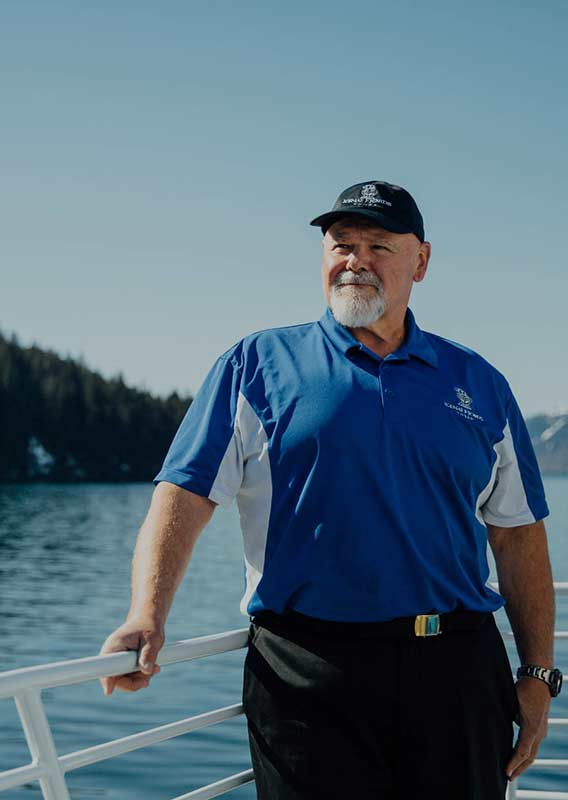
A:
(341, 247)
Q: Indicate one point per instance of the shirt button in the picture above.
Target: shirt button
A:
(389, 393)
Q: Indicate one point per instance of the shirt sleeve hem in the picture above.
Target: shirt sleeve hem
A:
(183, 480)
(512, 522)
(195, 484)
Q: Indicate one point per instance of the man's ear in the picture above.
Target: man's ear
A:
(423, 258)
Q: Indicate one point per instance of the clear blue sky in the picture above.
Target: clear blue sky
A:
(160, 163)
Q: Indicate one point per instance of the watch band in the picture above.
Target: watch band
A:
(551, 676)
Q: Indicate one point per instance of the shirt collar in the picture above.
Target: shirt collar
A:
(415, 342)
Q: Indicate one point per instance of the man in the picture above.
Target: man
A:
(371, 462)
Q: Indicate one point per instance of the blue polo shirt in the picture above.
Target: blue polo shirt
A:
(364, 484)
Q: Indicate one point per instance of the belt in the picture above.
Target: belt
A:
(422, 625)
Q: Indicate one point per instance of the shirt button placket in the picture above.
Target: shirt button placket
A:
(383, 391)
(387, 392)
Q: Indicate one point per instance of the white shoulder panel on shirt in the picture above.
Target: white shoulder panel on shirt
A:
(503, 502)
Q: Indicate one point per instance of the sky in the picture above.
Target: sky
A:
(160, 163)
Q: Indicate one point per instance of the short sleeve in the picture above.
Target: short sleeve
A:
(206, 455)
(518, 495)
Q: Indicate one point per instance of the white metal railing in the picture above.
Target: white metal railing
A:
(26, 686)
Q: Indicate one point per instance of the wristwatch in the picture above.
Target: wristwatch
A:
(552, 677)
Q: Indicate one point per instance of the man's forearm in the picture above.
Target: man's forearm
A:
(525, 582)
(163, 549)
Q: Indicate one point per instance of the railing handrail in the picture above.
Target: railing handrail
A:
(81, 670)
(78, 670)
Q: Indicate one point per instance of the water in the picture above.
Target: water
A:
(65, 555)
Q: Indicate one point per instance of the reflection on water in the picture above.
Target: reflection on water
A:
(65, 553)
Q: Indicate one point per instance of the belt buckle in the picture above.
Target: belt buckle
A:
(427, 625)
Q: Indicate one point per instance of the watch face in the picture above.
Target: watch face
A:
(555, 682)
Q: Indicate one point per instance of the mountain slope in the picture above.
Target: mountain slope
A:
(549, 434)
(61, 421)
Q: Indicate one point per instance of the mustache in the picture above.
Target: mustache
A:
(369, 280)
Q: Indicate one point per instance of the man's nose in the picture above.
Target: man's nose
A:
(356, 262)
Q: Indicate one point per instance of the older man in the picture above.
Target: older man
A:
(371, 462)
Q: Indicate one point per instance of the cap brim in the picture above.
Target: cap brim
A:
(325, 220)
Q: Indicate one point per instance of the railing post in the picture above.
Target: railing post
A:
(512, 790)
(41, 744)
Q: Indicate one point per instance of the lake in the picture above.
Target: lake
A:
(65, 553)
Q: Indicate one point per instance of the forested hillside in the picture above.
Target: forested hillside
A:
(61, 421)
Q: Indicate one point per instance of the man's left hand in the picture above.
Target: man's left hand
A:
(534, 702)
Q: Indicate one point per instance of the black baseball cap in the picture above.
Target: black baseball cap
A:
(390, 206)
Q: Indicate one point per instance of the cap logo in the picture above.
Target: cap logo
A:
(369, 196)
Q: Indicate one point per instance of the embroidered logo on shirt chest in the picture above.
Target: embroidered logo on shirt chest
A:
(464, 407)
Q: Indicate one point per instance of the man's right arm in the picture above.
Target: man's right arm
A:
(163, 549)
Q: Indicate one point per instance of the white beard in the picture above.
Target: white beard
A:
(356, 308)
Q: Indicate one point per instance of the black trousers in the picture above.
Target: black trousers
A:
(377, 717)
